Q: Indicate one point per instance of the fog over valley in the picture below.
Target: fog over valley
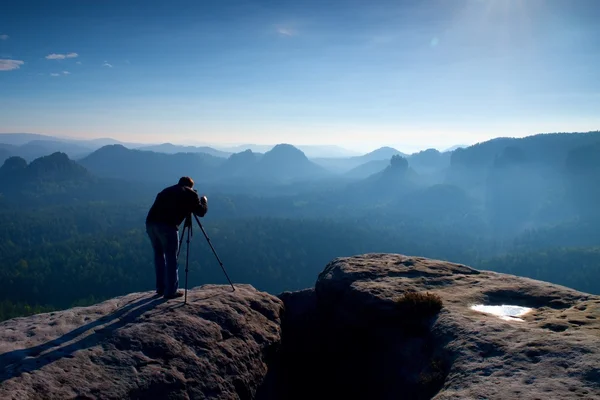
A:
(526, 206)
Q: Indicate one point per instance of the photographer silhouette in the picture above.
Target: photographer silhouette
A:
(171, 207)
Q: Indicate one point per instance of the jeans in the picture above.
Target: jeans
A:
(165, 243)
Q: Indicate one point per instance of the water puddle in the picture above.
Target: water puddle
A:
(505, 312)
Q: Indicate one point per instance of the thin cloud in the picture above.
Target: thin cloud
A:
(9, 65)
(54, 74)
(286, 31)
(55, 56)
(66, 73)
(4, 37)
(106, 64)
(78, 63)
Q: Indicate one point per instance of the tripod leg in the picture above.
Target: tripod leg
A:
(214, 251)
(180, 242)
(187, 259)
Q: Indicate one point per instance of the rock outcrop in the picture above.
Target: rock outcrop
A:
(375, 326)
(352, 337)
(140, 346)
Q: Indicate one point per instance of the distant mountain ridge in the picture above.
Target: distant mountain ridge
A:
(311, 151)
(56, 179)
(467, 168)
(19, 139)
(170, 148)
(345, 165)
(117, 161)
(284, 163)
(55, 167)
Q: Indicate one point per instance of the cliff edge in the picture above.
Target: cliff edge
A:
(143, 347)
(375, 326)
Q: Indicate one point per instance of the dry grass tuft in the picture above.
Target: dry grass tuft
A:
(423, 304)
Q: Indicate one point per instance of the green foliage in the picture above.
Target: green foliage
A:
(10, 310)
(574, 267)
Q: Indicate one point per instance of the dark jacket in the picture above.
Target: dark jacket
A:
(173, 204)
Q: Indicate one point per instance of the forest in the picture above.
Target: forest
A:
(72, 231)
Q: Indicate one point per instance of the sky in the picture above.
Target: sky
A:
(359, 74)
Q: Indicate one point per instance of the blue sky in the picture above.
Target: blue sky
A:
(360, 74)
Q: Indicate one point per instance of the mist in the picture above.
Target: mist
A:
(73, 221)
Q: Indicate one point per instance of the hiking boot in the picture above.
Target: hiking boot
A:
(174, 295)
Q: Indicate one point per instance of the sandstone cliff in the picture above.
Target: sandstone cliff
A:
(355, 335)
(144, 347)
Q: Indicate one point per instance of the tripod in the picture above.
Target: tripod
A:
(188, 225)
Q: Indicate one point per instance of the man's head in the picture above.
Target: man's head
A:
(186, 181)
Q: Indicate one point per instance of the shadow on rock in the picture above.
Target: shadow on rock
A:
(17, 362)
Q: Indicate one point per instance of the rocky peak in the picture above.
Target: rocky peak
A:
(13, 164)
(285, 153)
(375, 326)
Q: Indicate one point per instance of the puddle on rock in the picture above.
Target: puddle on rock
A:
(505, 312)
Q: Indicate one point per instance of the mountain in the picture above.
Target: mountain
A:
(541, 158)
(12, 169)
(344, 165)
(377, 325)
(4, 154)
(320, 151)
(311, 151)
(367, 169)
(255, 148)
(39, 148)
(548, 149)
(57, 180)
(170, 148)
(429, 161)
(101, 142)
(397, 172)
(117, 161)
(239, 164)
(397, 179)
(383, 153)
(451, 149)
(44, 181)
(18, 139)
(285, 163)
(582, 170)
(55, 167)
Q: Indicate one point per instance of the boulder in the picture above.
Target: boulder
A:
(361, 340)
(141, 346)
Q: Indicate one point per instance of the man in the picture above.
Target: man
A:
(171, 206)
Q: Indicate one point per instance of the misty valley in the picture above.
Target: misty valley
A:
(72, 213)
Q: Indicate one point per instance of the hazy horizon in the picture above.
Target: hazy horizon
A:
(228, 145)
(410, 75)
